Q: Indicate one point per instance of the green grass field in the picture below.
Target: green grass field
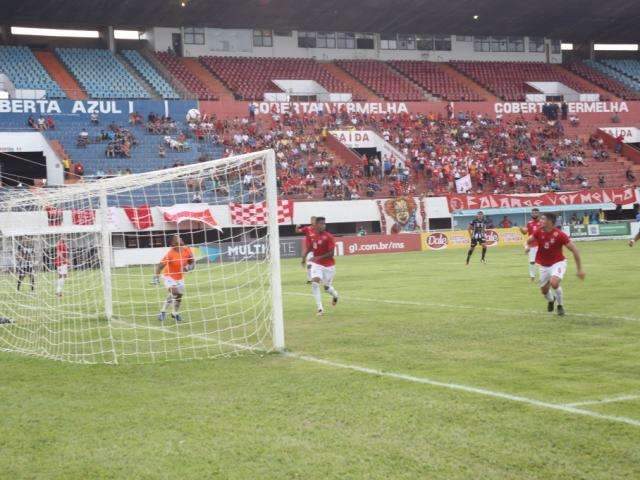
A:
(478, 381)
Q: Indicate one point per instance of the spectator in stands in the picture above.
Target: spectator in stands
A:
(601, 181)
(574, 120)
(31, 122)
(94, 119)
(505, 222)
(66, 165)
(162, 153)
(83, 138)
(565, 110)
(619, 143)
(629, 175)
(50, 123)
(78, 169)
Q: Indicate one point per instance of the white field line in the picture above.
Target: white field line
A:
(621, 398)
(411, 378)
(467, 389)
(473, 307)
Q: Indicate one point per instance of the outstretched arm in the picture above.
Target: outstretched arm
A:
(576, 255)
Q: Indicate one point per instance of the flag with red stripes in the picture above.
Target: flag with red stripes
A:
(83, 217)
(256, 213)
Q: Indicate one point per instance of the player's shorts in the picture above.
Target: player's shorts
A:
(555, 270)
(171, 283)
(477, 240)
(25, 269)
(532, 254)
(325, 274)
(63, 269)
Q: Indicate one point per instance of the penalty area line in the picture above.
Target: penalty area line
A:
(621, 398)
(472, 307)
(465, 388)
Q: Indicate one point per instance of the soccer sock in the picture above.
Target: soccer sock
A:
(315, 289)
(167, 302)
(331, 291)
(484, 252)
(33, 282)
(19, 283)
(177, 300)
(532, 270)
(469, 253)
(60, 285)
(559, 295)
(309, 272)
(549, 296)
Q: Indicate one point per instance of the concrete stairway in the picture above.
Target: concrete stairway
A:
(468, 82)
(60, 75)
(359, 91)
(206, 77)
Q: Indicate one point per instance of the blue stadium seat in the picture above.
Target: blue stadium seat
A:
(146, 71)
(25, 71)
(100, 73)
(605, 68)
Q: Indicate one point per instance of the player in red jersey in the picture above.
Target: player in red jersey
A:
(553, 264)
(308, 231)
(532, 250)
(61, 263)
(323, 265)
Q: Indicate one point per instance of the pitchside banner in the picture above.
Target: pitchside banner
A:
(600, 230)
(256, 250)
(377, 244)
(460, 239)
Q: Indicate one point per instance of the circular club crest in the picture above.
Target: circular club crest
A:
(437, 241)
(492, 238)
(455, 204)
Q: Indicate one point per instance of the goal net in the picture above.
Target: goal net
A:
(93, 272)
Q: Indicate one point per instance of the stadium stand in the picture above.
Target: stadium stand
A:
(617, 70)
(593, 72)
(507, 80)
(630, 68)
(432, 78)
(190, 81)
(100, 73)
(25, 71)
(149, 74)
(251, 78)
(384, 81)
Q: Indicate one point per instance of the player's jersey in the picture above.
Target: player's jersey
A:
(25, 258)
(478, 229)
(532, 226)
(62, 254)
(320, 244)
(550, 246)
(175, 262)
(307, 231)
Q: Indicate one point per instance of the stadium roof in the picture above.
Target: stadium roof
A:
(568, 20)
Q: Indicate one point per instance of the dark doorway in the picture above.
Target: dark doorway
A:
(22, 168)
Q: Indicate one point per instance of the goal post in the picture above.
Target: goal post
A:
(78, 265)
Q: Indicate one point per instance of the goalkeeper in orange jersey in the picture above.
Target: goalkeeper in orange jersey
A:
(178, 260)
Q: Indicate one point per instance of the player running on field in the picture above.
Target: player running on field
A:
(178, 259)
(308, 231)
(532, 250)
(478, 233)
(62, 264)
(25, 259)
(323, 268)
(553, 264)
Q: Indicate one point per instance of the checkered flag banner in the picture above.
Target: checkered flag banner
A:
(256, 213)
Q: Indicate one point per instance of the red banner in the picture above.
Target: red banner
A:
(409, 242)
(195, 213)
(256, 213)
(140, 216)
(619, 196)
(83, 217)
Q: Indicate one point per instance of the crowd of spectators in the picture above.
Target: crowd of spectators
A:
(433, 152)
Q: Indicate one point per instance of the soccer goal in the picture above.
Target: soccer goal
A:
(87, 274)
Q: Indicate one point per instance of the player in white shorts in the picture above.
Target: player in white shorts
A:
(62, 264)
(553, 264)
(323, 265)
(532, 249)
